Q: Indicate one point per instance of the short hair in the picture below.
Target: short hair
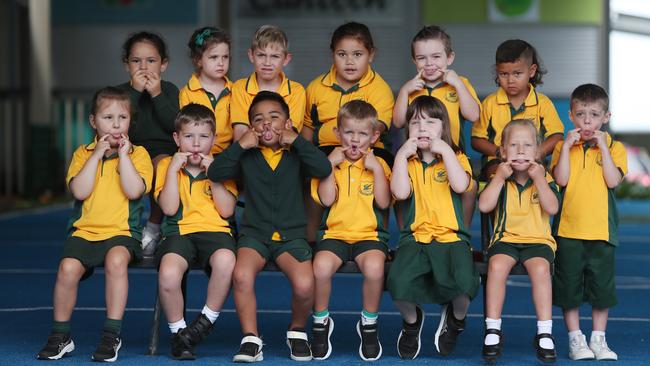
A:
(196, 114)
(432, 32)
(590, 93)
(155, 39)
(360, 110)
(428, 106)
(110, 93)
(268, 34)
(355, 30)
(514, 49)
(266, 95)
(204, 38)
(522, 122)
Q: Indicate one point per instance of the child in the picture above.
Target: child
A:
(589, 165)
(156, 102)
(518, 72)
(196, 228)
(269, 54)
(209, 85)
(353, 227)
(108, 179)
(524, 197)
(433, 263)
(432, 55)
(272, 160)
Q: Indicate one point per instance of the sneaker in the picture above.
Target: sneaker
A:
(448, 330)
(299, 345)
(180, 349)
(57, 346)
(370, 348)
(408, 341)
(598, 345)
(108, 347)
(250, 350)
(492, 352)
(321, 345)
(197, 331)
(150, 240)
(545, 355)
(578, 349)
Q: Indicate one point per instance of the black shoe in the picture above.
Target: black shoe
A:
(180, 349)
(448, 330)
(197, 331)
(108, 347)
(408, 342)
(493, 352)
(321, 345)
(544, 354)
(57, 346)
(250, 349)
(370, 348)
(299, 345)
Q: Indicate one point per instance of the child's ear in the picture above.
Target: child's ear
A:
(91, 119)
(607, 116)
(288, 124)
(374, 138)
(450, 58)
(337, 132)
(504, 154)
(249, 52)
(532, 70)
(287, 58)
(571, 116)
(372, 56)
(177, 139)
(164, 64)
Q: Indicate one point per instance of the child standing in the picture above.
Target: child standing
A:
(433, 263)
(269, 54)
(352, 227)
(108, 179)
(524, 196)
(518, 72)
(589, 165)
(156, 102)
(209, 84)
(272, 161)
(195, 228)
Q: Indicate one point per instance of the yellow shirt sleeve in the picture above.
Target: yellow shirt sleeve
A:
(161, 175)
(79, 158)
(464, 162)
(296, 101)
(551, 120)
(479, 129)
(314, 191)
(231, 187)
(381, 97)
(183, 97)
(619, 156)
(239, 102)
(471, 90)
(142, 163)
(556, 155)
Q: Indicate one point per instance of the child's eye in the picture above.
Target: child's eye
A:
(341, 54)
(358, 54)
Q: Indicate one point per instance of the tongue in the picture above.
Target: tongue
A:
(268, 135)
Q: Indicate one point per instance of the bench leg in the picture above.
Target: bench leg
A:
(155, 329)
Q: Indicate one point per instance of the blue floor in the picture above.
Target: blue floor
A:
(31, 245)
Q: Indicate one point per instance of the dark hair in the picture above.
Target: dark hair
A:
(590, 93)
(204, 38)
(523, 122)
(428, 106)
(144, 36)
(514, 49)
(354, 30)
(110, 93)
(432, 32)
(194, 113)
(270, 96)
(358, 109)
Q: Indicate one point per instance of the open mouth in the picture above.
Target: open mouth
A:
(520, 161)
(267, 135)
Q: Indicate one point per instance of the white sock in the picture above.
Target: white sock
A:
(574, 333)
(596, 333)
(545, 326)
(211, 315)
(321, 316)
(492, 339)
(368, 318)
(176, 326)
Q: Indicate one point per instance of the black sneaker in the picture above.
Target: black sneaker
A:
(197, 331)
(57, 346)
(544, 354)
(321, 345)
(299, 345)
(180, 349)
(408, 342)
(370, 348)
(108, 347)
(250, 349)
(492, 352)
(448, 330)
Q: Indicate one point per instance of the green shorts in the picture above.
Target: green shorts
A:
(347, 251)
(434, 273)
(584, 271)
(522, 252)
(195, 247)
(92, 253)
(271, 250)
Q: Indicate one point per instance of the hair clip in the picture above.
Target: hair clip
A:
(200, 38)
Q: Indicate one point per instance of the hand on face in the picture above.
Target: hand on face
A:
(250, 139)
(125, 145)
(572, 137)
(600, 138)
(370, 161)
(437, 145)
(286, 135)
(409, 148)
(451, 77)
(415, 84)
(337, 155)
(206, 160)
(179, 160)
(153, 86)
(504, 170)
(536, 171)
(102, 146)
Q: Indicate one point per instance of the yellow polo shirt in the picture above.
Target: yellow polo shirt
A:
(353, 216)
(588, 209)
(325, 98)
(244, 90)
(196, 212)
(107, 212)
(449, 97)
(434, 211)
(193, 92)
(496, 112)
(519, 217)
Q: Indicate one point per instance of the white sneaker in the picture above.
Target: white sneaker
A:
(598, 345)
(150, 240)
(578, 349)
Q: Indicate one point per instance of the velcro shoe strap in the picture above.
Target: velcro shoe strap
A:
(292, 334)
(252, 339)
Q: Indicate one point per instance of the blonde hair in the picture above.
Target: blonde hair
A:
(268, 34)
(523, 123)
(359, 110)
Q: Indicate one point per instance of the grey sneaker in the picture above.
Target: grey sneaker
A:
(578, 349)
(598, 346)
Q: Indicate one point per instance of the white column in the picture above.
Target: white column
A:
(41, 62)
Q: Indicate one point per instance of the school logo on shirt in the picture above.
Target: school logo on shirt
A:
(599, 159)
(440, 175)
(452, 97)
(534, 198)
(207, 190)
(366, 189)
